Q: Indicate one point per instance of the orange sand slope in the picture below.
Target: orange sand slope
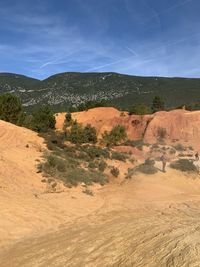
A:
(149, 221)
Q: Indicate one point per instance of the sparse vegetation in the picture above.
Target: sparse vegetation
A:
(119, 156)
(179, 147)
(92, 104)
(74, 164)
(147, 168)
(78, 134)
(184, 165)
(88, 192)
(157, 104)
(115, 137)
(11, 108)
(43, 119)
(114, 171)
(102, 166)
(139, 109)
(135, 143)
(70, 172)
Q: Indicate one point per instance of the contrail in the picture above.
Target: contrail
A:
(148, 57)
(178, 5)
(112, 63)
(57, 60)
(131, 50)
(169, 9)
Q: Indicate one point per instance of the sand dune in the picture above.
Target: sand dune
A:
(148, 221)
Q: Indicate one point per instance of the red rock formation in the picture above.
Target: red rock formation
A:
(180, 125)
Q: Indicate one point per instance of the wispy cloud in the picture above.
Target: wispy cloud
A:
(42, 43)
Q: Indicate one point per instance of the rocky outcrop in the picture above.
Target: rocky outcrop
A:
(173, 126)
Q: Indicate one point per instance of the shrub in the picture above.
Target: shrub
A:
(68, 117)
(114, 171)
(10, 108)
(147, 167)
(115, 137)
(179, 147)
(56, 162)
(69, 172)
(155, 146)
(172, 151)
(184, 165)
(92, 104)
(96, 152)
(88, 192)
(102, 166)
(79, 134)
(75, 134)
(131, 172)
(157, 104)
(43, 119)
(119, 156)
(139, 110)
(92, 165)
(89, 134)
(79, 175)
(135, 143)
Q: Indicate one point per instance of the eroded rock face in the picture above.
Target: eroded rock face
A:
(177, 125)
(180, 126)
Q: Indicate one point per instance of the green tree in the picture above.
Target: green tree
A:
(79, 134)
(43, 119)
(116, 136)
(10, 108)
(92, 104)
(68, 117)
(75, 134)
(89, 134)
(140, 109)
(157, 104)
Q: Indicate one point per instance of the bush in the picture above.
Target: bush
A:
(96, 152)
(183, 165)
(10, 108)
(115, 137)
(88, 192)
(172, 151)
(68, 117)
(92, 165)
(135, 143)
(139, 110)
(67, 170)
(147, 167)
(79, 134)
(89, 134)
(157, 104)
(179, 147)
(119, 156)
(114, 171)
(79, 175)
(92, 104)
(43, 119)
(102, 166)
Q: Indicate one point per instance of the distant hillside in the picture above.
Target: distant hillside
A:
(71, 89)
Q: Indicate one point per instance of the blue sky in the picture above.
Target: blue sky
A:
(137, 37)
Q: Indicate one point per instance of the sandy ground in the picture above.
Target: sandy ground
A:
(148, 221)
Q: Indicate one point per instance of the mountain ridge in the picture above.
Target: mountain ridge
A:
(67, 89)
